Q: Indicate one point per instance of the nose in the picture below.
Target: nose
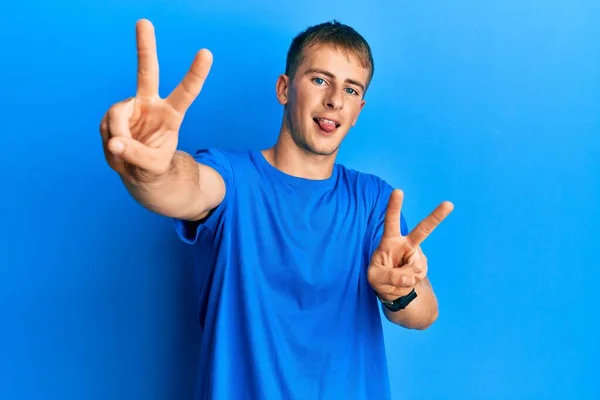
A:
(333, 100)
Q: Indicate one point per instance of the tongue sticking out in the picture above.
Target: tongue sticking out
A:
(327, 126)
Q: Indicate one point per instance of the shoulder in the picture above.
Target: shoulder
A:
(225, 161)
(224, 155)
(236, 158)
(370, 186)
(375, 193)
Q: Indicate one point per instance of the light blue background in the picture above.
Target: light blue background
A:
(494, 105)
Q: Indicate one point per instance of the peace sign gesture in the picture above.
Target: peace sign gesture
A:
(399, 264)
(140, 134)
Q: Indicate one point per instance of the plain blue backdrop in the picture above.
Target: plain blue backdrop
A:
(494, 105)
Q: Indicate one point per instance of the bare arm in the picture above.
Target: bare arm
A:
(188, 190)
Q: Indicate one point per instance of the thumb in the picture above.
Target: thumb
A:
(391, 223)
(139, 155)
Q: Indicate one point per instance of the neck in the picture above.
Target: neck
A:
(287, 157)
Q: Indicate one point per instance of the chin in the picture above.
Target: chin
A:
(313, 147)
(323, 151)
(322, 147)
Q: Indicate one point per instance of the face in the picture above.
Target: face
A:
(324, 98)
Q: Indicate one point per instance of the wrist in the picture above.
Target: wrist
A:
(397, 303)
(149, 180)
(392, 297)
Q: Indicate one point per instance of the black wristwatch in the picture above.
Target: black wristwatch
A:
(400, 303)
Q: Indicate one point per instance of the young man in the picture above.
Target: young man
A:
(294, 252)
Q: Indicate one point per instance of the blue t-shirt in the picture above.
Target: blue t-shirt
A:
(285, 308)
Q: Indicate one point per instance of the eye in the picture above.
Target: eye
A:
(319, 81)
(351, 91)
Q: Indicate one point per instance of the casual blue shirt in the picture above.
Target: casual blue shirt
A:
(285, 308)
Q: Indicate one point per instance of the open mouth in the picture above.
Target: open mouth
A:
(326, 125)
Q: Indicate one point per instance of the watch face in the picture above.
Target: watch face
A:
(393, 307)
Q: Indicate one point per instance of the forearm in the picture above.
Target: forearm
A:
(421, 312)
(175, 194)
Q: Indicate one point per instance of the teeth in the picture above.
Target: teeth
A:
(327, 121)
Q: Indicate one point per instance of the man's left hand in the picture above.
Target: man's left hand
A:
(398, 264)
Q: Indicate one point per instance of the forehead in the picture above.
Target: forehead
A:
(341, 62)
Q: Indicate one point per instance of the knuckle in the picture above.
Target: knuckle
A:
(143, 71)
(103, 123)
(117, 109)
(425, 228)
(113, 111)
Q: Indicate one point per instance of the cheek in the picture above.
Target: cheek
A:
(352, 105)
(303, 109)
(352, 117)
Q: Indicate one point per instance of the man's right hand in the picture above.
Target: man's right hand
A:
(140, 134)
(140, 137)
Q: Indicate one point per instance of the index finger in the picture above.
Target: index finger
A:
(147, 74)
(425, 227)
(391, 223)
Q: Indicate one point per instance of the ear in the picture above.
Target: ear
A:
(281, 89)
(362, 104)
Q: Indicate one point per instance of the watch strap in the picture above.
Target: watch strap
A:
(401, 302)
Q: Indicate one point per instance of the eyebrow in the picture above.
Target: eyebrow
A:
(329, 74)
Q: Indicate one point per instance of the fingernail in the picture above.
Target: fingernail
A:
(117, 147)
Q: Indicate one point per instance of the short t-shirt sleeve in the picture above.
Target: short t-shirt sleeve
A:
(378, 216)
(218, 160)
